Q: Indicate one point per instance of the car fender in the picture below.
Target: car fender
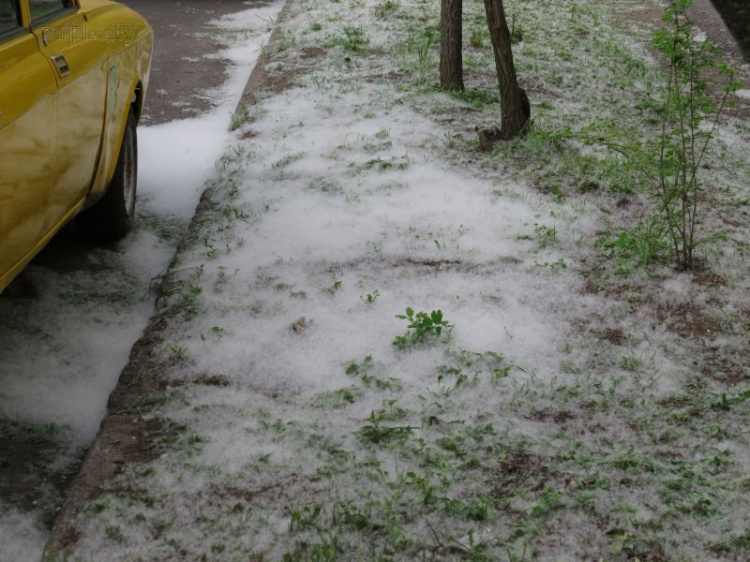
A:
(127, 82)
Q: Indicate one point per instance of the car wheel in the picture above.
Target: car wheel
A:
(111, 218)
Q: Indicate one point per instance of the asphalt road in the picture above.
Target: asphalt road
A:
(179, 73)
(714, 23)
(736, 15)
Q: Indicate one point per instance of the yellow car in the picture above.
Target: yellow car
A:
(73, 76)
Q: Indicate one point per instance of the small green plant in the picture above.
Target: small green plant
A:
(113, 532)
(289, 159)
(381, 165)
(385, 8)
(456, 374)
(153, 400)
(379, 434)
(354, 368)
(305, 517)
(363, 371)
(553, 265)
(476, 38)
(476, 98)
(549, 500)
(545, 235)
(347, 514)
(423, 51)
(640, 244)
(178, 352)
(422, 327)
(516, 31)
(191, 300)
(370, 298)
(97, 508)
(420, 43)
(630, 363)
(333, 288)
(329, 549)
(683, 139)
(430, 491)
(238, 119)
(354, 38)
(338, 398)
(471, 365)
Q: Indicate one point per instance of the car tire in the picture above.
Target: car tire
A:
(111, 218)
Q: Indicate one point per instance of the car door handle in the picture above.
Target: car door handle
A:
(62, 65)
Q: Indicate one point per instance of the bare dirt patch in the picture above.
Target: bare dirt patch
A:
(615, 336)
(517, 468)
(312, 53)
(688, 320)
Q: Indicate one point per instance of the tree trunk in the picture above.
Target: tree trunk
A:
(515, 109)
(451, 57)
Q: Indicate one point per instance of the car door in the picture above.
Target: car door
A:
(28, 115)
(79, 58)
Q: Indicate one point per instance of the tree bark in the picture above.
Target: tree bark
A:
(514, 104)
(451, 56)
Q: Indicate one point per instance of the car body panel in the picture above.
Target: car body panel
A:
(81, 99)
(128, 76)
(61, 130)
(28, 164)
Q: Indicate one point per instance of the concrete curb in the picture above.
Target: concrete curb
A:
(124, 436)
(259, 78)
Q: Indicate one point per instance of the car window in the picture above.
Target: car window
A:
(41, 9)
(9, 16)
